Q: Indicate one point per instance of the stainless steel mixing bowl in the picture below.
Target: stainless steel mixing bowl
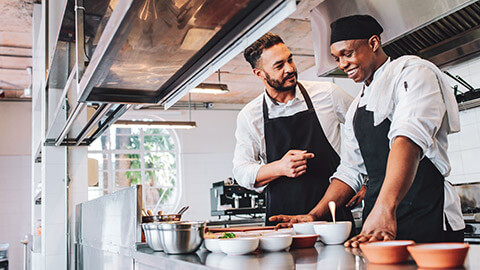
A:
(181, 237)
(153, 236)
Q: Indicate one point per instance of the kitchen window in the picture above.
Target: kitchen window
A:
(146, 156)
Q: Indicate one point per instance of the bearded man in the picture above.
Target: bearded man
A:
(288, 138)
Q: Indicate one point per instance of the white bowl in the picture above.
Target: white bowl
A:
(333, 233)
(212, 244)
(238, 246)
(303, 228)
(275, 242)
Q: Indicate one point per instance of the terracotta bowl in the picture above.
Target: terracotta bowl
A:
(304, 240)
(386, 252)
(439, 255)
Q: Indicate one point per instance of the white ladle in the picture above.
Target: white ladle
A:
(332, 206)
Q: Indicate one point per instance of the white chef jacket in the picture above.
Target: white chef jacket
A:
(330, 103)
(418, 113)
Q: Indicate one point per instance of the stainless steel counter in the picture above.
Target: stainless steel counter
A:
(320, 257)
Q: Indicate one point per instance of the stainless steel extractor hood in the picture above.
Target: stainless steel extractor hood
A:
(155, 51)
(443, 31)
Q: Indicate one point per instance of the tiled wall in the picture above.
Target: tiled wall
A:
(464, 147)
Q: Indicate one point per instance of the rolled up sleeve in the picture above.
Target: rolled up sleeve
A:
(351, 170)
(246, 161)
(419, 109)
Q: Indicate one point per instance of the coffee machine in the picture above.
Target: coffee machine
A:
(227, 198)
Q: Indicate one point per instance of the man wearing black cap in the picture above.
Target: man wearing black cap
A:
(396, 134)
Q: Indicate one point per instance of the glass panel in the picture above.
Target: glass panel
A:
(102, 161)
(156, 131)
(99, 144)
(167, 196)
(94, 192)
(126, 161)
(104, 180)
(160, 178)
(126, 142)
(158, 143)
(160, 160)
(127, 178)
(127, 131)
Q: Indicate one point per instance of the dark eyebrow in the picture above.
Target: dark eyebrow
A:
(342, 52)
(281, 61)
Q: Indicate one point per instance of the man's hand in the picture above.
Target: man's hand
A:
(381, 225)
(294, 163)
(286, 221)
(357, 199)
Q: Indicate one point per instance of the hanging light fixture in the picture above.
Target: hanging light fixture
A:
(163, 124)
(211, 88)
(158, 124)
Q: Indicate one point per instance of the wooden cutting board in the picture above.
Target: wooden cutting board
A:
(240, 229)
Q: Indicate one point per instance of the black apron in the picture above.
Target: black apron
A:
(301, 131)
(420, 213)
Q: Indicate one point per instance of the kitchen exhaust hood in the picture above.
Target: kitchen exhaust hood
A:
(155, 51)
(443, 32)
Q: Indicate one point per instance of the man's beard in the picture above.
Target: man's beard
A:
(278, 85)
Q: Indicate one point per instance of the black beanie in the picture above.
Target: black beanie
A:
(354, 27)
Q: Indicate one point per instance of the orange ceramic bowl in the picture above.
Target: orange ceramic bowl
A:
(439, 255)
(386, 252)
(304, 240)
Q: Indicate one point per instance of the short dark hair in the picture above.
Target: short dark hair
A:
(253, 52)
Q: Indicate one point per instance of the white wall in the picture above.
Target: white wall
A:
(15, 168)
(464, 147)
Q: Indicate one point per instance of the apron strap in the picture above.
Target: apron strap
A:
(305, 96)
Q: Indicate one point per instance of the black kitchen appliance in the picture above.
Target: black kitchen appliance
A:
(227, 198)
(470, 201)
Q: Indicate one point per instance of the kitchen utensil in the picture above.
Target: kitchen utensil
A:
(275, 242)
(304, 240)
(386, 252)
(333, 233)
(332, 206)
(239, 246)
(179, 237)
(240, 229)
(153, 236)
(182, 210)
(161, 218)
(439, 255)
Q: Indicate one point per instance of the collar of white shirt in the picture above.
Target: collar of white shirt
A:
(379, 71)
(271, 102)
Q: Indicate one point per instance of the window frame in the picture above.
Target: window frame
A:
(110, 171)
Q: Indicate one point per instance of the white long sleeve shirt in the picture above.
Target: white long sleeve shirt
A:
(330, 103)
(418, 113)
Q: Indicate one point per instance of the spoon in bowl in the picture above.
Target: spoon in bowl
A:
(332, 206)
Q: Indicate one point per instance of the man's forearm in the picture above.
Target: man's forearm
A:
(337, 191)
(266, 174)
(402, 167)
